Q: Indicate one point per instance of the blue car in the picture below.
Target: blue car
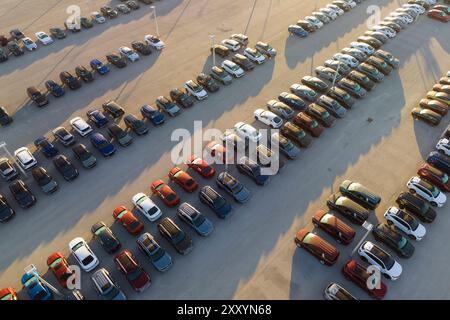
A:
(99, 66)
(36, 289)
(152, 114)
(298, 31)
(55, 89)
(105, 147)
(97, 117)
(47, 148)
(439, 161)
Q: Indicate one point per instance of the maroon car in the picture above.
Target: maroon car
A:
(434, 105)
(359, 275)
(308, 124)
(334, 226)
(138, 278)
(318, 247)
(434, 176)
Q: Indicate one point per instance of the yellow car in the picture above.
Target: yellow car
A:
(439, 96)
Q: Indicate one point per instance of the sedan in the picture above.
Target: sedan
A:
(254, 55)
(280, 109)
(439, 96)
(327, 73)
(359, 275)
(332, 106)
(393, 239)
(146, 206)
(219, 74)
(65, 168)
(81, 126)
(83, 254)
(266, 49)
(64, 136)
(370, 41)
(334, 226)
(36, 289)
(250, 168)
(129, 53)
(360, 194)
(207, 82)
(152, 114)
(303, 92)
(361, 79)
(104, 235)
(84, 74)
(118, 134)
(380, 64)
(309, 124)
(97, 16)
(60, 268)
(182, 98)
(29, 44)
(6, 211)
(127, 219)
(233, 187)
(243, 62)
(439, 15)
(292, 101)
(183, 179)
(168, 106)
(24, 197)
(297, 30)
(128, 265)
(99, 66)
(58, 33)
(54, 88)
(314, 83)
(434, 176)
(247, 131)
(352, 88)
(154, 41)
(268, 118)
(84, 156)
(441, 88)
(373, 73)
(296, 134)
(426, 115)
(44, 180)
(364, 47)
(201, 166)
(113, 109)
(97, 117)
(43, 38)
(165, 193)
(141, 47)
(348, 208)
(116, 59)
(102, 144)
(136, 125)
(46, 147)
(286, 146)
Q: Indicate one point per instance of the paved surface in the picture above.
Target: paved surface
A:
(252, 255)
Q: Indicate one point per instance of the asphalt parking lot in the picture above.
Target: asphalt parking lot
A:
(252, 255)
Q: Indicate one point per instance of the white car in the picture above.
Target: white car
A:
(29, 44)
(416, 7)
(241, 38)
(81, 126)
(364, 47)
(448, 73)
(376, 256)
(406, 18)
(347, 59)
(389, 32)
(443, 146)
(254, 55)
(351, 3)
(247, 131)
(83, 254)
(335, 9)
(232, 68)
(43, 38)
(154, 41)
(231, 44)
(329, 13)
(25, 158)
(268, 118)
(400, 22)
(97, 16)
(196, 90)
(431, 2)
(129, 53)
(427, 191)
(405, 223)
(146, 206)
(314, 21)
(410, 12)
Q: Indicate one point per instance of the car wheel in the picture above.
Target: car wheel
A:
(412, 191)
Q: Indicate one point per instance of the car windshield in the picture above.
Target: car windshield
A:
(314, 124)
(435, 191)
(234, 67)
(444, 178)
(409, 220)
(199, 220)
(87, 260)
(402, 243)
(134, 275)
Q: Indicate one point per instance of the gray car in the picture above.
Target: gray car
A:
(280, 109)
(332, 106)
(303, 92)
(286, 146)
(233, 187)
(46, 182)
(106, 286)
(160, 259)
(327, 73)
(202, 225)
(86, 157)
(387, 57)
(220, 75)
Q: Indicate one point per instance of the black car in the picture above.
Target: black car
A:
(392, 238)
(120, 135)
(292, 101)
(16, 34)
(165, 104)
(179, 239)
(37, 96)
(85, 156)
(113, 109)
(104, 235)
(5, 118)
(420, 208)
(379, 64)
(97, 117)
(69, 80)
(65, 137)
(22, 194)
(44, 180)
(86, 22)
(136, 125)
(342, 97)
(362, 79)
(6, 211)
(360, 194)
(109, 12)
(7, 171)
(220, 206)
(285, 145)
(306, 25)
(141, 47)
(58, 33)
(207, 82)
(54, 88)
(116, 59)
(320, 114)
(352, 88)
(315, 83)
(221, 75)
(84, 74)
(65, 167)
(181, 98)
(15, 48)
(243, 62)
(348, 208)
(132, 5)
(253, 170)
(3, 55)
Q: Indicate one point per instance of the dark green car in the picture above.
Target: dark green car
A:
(360, 194)
(393, 239)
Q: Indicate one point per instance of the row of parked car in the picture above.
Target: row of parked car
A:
(321, 17)
(436, 103)
(439, 12)
(18, 42)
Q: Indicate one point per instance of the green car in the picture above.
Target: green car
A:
(360, 194)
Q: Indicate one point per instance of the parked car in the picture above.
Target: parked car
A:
(207, 82)
(314, 83)
(60, 268)
(181, 98)
(361, 79)
(168, 106)
(434, 176)
(296, 134)
(65, 137)
(318, 247)
(360, 194)
(221, 50)
(46, 147)
(165, 193)
(285, 145)
(373, 73)
(14, 48)
(420, 208)
(85, 156)
(292, 101)
(103, 145)
(116, 59)
(128, 220)
(54, 88)
(280, 109)
(136, 125)
(106, 286)
(83, 254)
(98, 17)
(7, 171)
(359, 275)
(327, 73)
(405, 222)
(215, 201)
(43, 38)
(109, 12)
(348, 208)
(25, 158)
(69, 80)
(105, 237)
(321, 115)
(159, 257)
(332, 106)
(252, 169)
(80, 126)
(44, 180)
(379, 64)
(146, 206)
(200, 166)
(304, 92)
(220, 75)
(266, 49)
(36, 289)
(97, 117)
(183, 179)
(241, 38)
(254, 55)
(118, 134)
(195, 219)
(129, 53)
(141, 47)
(231, 44)
(335, 227)
(352, 88)
(29, 44)
(113, 109)
(233, 187)
(128, 265)
(308, 124)
(65, 168)
(393, 239)
(426, 191)
(86, 23)
(154, 41)
(22, 194)
(268, 118)
(152, 114)
(84, 74)
(335, 292)
(178, 238)
(37, 97)
(99, 66)
(427, 116)
(232, 68)
(375, 255)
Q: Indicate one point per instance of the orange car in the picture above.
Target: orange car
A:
(167, 195)
(8, 294)
(201, 166)
(183, 179)
(318, 247)
(58, 264)
(128, 220)
(334, 226)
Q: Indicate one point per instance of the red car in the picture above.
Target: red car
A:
(308, 124)
(167, 195)
(128, 220)
(137, 277)
(434, 176)
(439, 15)
(442, 88)
(183, 179)
(58, 264)
(434, 105)
(218, 153)
(8, 294)
(334, 226)
(201, 166)
(359, 275)
(318, 247)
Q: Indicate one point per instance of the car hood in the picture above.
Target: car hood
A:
(408, 250)
(420, 232)
(163, 263)
(396, 270)
(243, 195)
(441, 198)
(90, 161)
(49, 186)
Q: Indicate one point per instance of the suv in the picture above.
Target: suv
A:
(24, 197)
(160, 259)
(220, 75)
(318, 247)
(426, 191)
(207, 82)
(215, 201)
(253, 170)
(37, 97)
(181, 98)
(389, 236)
(45, 181)
(176, 236)
(69, 80)
(202, 225)
(220, 50)
(335, 292)
(405, 222)
(113, 109)
(106, 286)
(84, 156)
(120, 135)
(360, 194)
(7, 171)
(195, 90)
(417, 206)
(373, 254)
(25, 159)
